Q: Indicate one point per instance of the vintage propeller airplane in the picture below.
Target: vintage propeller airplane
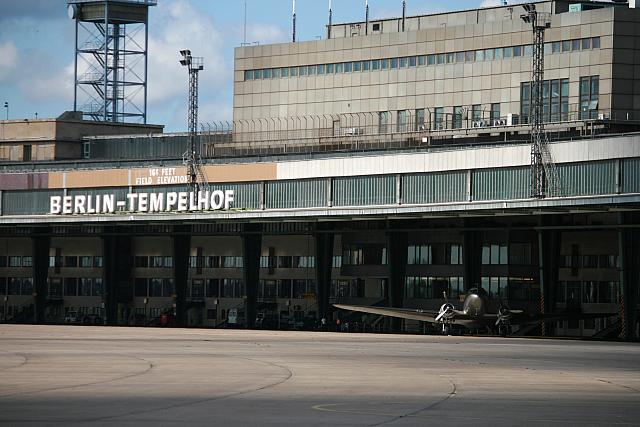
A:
(474, 315)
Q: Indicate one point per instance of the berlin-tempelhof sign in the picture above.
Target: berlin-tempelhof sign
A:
(183, 201)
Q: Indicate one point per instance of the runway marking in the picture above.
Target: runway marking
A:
(135, 374)
(24, 361)
(289, 375)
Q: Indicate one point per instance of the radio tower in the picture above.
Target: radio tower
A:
(542, 165)
(191, 157)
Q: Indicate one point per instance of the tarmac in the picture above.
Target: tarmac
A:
(104, 376)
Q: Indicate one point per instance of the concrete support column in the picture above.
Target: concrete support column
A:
(181, 252)
(629, 258)
(117, 269)
(324, 262)
(548, 257)
(40, 242)
(251, 249)
(472, 258)
(397, 260)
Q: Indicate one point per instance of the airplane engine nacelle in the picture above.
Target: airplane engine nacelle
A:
(446, 311)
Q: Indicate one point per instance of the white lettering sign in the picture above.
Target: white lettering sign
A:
(82, 204)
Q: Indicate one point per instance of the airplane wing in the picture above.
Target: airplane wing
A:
(403, 313)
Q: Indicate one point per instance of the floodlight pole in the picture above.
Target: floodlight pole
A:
(194, 65)
(539, 25)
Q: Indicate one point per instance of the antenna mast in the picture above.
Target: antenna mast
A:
(192, 158)
(542, 165)
(329, 26)
(366, 17)
(294, 21)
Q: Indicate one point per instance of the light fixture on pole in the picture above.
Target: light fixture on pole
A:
(6, 106)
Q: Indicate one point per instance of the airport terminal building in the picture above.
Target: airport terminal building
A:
(386, 164)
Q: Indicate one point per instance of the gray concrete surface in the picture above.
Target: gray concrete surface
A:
(56, 375)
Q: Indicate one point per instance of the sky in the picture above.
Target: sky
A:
(37, 48)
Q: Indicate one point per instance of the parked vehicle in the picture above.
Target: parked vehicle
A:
(71, 317)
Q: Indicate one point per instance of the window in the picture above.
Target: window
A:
(366, 65)
(595, 42)
(284, 288)
(394, 63)
(293, 71)
(330, 68)
(517, 51)
(440, 58)
(302, 71)
(140, 287)
(479, 55)
(528, 50)
(336, 262)
(27, 261)
(15, 261)
(248, 75)
(275, 73)
(566, 45)
(357, 66)
(412, 61)
(495, 254)
(284, 72)
(70, 286)
(586, 44)
(311, 70)
(489, 54)
(476, 112)
(547, 49)
(459, 56)
(419, 254)
(404, 62)
(520, 254)
(457, 117)
(431, 60)
(284, 262)
(403, 117)
(321, 69)
(375, 64)
(556, 47)
(384, 64)
(348, 67)
(508, 52)
(589, 95)
(498, 53)
(422, 60)
(438, 118)
(575, 44)
(266, 74)
(469, 56)
(555, 98)
(376, 27)
(212, 288)
(451, 58)
(419, 120)
(383, 121)
(141, 262)
(70, 261)
(3, 261)
(495, 111)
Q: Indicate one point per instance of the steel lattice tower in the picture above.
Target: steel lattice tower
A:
(110, 73)
(543, 173)
(192, 156)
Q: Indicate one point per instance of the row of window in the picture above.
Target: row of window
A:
(589, 261)
(85, 261)
(468, 56)
(511, 288)
(155, 287)
(234, 288)
(71, 286)
(216, 262)
(435, 253)
(433, 287)
(15, 261)
(364, 254)
(287, 261)
(502, 254)
(16, 285)
(587, 292)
